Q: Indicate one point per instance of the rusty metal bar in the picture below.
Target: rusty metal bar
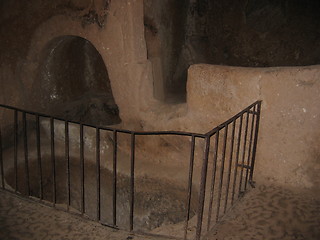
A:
(221, 170)
(53, 161)
(253, 110)
(98, 173)
(82, 206)
(255, 141)
(230, 120)
(230, 166)
(67, 158)
(26, 154)
(15, 129)
(249, 153)
(189, 185)
(244, 166)
(213, 179)
(132, 180)
(237, 160)
(114, 178)
(39, 156)
(1, 161)
(202, 188)
(179, 133)
(244, 152)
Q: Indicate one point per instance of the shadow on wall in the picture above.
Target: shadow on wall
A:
(72, 82)
(247, 33)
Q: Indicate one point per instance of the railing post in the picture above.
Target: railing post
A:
(114, 178)
(243, 153)
(26, 155)
(82, 207)
(250, 148)
(67, 158)
(213, 179)
(39, 157)
(132, 180)
(15, 126)
(53, 162)
(237, 159)
(255, 142)
(222, 170)
(202, 187)
(230, 165)
(1, 162)
(98, 174)
(191, 163)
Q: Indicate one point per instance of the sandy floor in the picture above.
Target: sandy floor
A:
(25, 220)
(272, 212)
(266, 212)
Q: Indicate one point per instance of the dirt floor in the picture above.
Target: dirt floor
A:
(22, 219)
(272, 212)
(266, 212)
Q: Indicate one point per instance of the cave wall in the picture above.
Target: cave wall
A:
(288, 146)
(114, 28)
(264, 33)
(248, 33)
(72, 82)
(165, 26)
(117, 30)
(148, 45)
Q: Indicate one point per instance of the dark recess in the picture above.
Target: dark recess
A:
(247, 33)
(73, 83)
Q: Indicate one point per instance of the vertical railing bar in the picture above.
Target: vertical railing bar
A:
(237, 160)
(230, 165)
(16, 149)
(132, 180)
(67, 158)
(221, 170)
(214, 168)
(255, 141)
(39, 157)
(53, 160)
(114, 177)
(98, 173)
(82, 207)
(202, 188)
(250, 160)
(26, 154)
(244, 152)
(189, 185)
(250, 147)
(1, 161)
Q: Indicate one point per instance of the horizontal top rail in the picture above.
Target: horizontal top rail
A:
(235, 152)
(222, 125)
(180, 133)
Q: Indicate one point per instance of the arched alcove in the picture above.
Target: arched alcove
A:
(72, 82)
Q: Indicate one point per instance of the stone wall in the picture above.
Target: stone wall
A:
(114, 28)
(288, 146)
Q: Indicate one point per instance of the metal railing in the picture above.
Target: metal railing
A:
(227, 165)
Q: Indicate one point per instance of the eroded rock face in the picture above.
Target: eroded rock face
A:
(65, 69)
(73, 83)
(165, 26)
(248, 33)
(92, 109)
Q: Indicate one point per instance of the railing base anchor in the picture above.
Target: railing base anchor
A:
(252, 183)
